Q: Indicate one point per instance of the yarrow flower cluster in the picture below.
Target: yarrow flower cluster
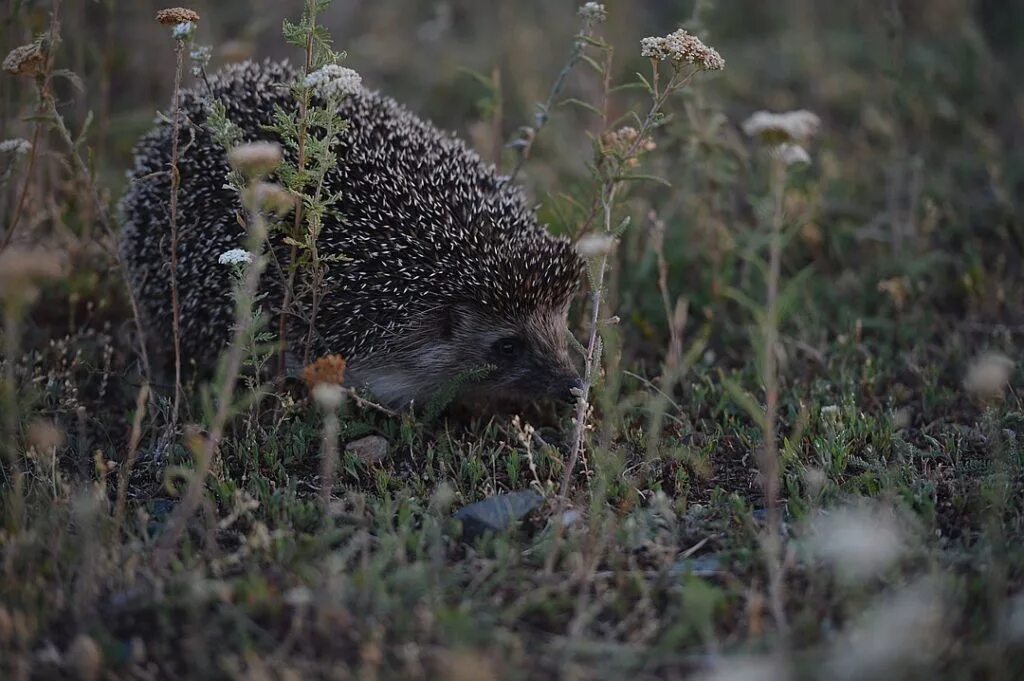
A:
(236, 256)
(15, 146)
(681, 46)
(792, 127)
(334, 80)
(593, 12)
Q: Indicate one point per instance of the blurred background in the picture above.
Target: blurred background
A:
(905, 235)
(917, 175)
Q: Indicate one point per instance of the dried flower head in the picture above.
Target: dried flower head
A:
(273, 198)
(593, 12)
(256, 159)
(177, 15)
(15, 146)
(988, 376)
(329, 369)
(679, 47)
(898, 290)
(26, 60)
(625, 143)
(334, 80)
(792, 127)
(236, 256)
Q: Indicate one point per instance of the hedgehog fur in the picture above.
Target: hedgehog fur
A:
(444, 265)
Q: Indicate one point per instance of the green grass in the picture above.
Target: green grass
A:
(663, 571)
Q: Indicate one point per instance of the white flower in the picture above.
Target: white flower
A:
(792, 154)
(680, 46)
(593, 12)
(183, 30)
(830, 412)
(593, 245)
(328, 395)
(988, 375)
(858, 541)
(236, 256)
(15, 146)
(792, 126)
(333, 80)
(900, 631)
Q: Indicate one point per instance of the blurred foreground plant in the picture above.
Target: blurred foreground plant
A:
(675, 60)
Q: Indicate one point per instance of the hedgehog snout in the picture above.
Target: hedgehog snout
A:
(574, 385)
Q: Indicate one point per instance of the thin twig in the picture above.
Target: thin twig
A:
(769, 463)
(179, 50)
(300, 165)
(20, 206)
(133, 450)
(233, 365)
(328, 455)
(525, 143)
(43, 83)
(364, 403)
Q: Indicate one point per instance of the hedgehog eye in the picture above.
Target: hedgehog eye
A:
(508, 347)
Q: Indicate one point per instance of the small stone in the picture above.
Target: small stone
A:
(369, 449)
(497, 513)
(702, 566)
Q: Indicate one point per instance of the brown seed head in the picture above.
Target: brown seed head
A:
(27, 60)
(329, 370)
(173, 16)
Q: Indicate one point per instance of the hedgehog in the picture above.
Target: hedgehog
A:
(441, 267)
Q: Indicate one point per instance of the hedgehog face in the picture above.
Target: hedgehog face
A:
(530, 358)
